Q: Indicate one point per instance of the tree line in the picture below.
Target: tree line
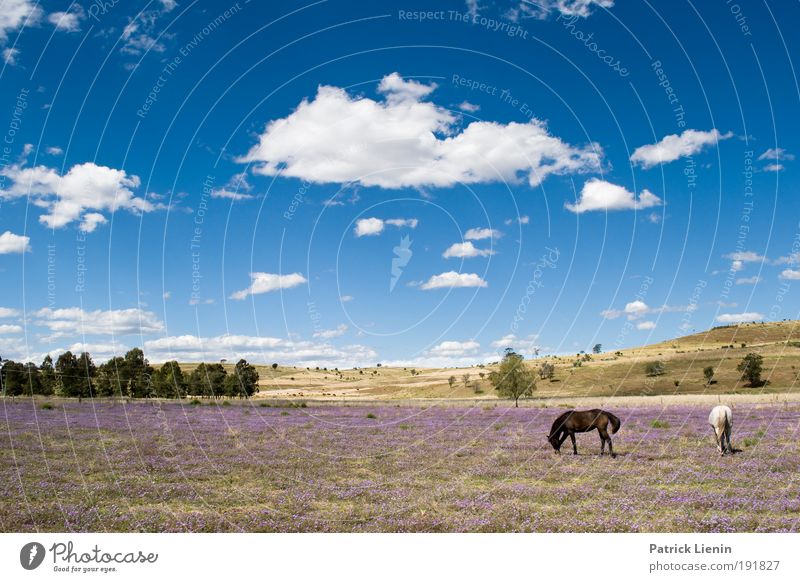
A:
(129, 376)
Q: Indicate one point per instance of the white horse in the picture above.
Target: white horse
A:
(720, 420)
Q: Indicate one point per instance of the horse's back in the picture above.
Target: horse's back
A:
(720, 416)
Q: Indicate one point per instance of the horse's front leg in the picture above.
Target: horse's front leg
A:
(574, 444)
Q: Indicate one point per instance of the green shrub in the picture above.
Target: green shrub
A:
(659, 424)
(47, 406)
(194, 402)
(370, 415)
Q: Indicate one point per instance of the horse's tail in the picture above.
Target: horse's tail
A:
(615, 422)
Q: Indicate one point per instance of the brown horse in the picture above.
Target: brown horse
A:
(574, 421)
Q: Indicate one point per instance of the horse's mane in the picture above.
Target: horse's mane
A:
(559, 420)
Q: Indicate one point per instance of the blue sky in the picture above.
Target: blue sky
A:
(343, 184)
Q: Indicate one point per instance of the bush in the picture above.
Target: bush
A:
(659, 424)
(47, 406)
(370, 415)
(655, 369)
(194, 402)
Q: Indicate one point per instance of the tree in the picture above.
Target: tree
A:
(33, 380)
(274, 366)
(169, 381)
(13, 378)
(513, 379)
(207, 380)
(86, 373)
(139, 374)
(597, 348)
(112, 378)
(708, 373)
(465, 380)
(47, 376)
(655, 369)
(452, 381)
(68, 375)
(750, 367)
(547, 371)
(243, 382)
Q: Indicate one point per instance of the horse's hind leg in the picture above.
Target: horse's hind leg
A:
(574, 444)
(602, 444)
(605, 438)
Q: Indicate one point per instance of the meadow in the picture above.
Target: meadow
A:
(172, 466)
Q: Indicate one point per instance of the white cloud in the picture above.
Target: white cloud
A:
(402, 141)
(599, 195)
(451, 349)
(236, 189)
(638, 309)
(14, 243)
(543, 9)
(6, 328)
(8, 312)
(331, 333)
(166, 295)
(91, 220)
(466, 250)
(74, 320)
(468, 107)
(346, 298)
(748, 280)
(646, 325)
(675, 146)
(257, 349)
(451, 279)
(375, 226)
(528, 345)
(776, 154)
(267, 282)
(520, 220)
(774, 168)
(737, 265)
(482, 233)
(739, 317)
(14, 14)
(67, 21)
(746, 257)
(792, 259)
(55, 151)
(85, 187)
(790, 275)
(10, 55)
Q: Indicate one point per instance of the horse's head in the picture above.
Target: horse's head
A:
(553, 439)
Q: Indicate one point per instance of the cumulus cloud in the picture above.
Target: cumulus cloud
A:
(748, 280)
(468, 107)
(67, 21)
(776, 154)
(527, 345)
(646, 325)
(638, 309)
(402, 141)
(72, 320)
(8, 312)
(675, 146)
(236, 189)
(774, 168)
(7, 328)
(346, 298)
(543, 9)
(466, 250)
(520, 220)
(746, 257)
(14, 243)
(10, 55)
(14, 14)
(599, 195)
(739, 317)
(85, 187)
(267, 282)
(482, 233)
(375, 226)
(790, 275)
(54, 151)
(191, 348)
(338, 331)
(451, 279)
(455, 349)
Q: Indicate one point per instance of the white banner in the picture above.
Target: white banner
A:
(355, 557)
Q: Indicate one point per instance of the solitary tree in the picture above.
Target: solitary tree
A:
(655, 368)
(708, 372)
(547, 371)
(513, 379)
(465, 380)
(274, 366)
(597, 348)
(750, 367)
(452, 381)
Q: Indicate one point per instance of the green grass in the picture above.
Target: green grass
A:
(659, 424)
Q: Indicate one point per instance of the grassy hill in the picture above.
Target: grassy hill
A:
(620, 373)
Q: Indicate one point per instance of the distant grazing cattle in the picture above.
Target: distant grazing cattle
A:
(583, 421)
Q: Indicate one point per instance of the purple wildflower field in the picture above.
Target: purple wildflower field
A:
(174, 467)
